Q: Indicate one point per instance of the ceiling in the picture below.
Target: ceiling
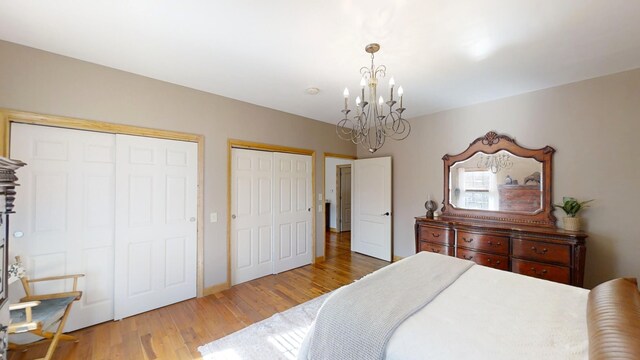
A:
(445, 54)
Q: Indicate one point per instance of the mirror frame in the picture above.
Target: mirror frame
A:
(491, 143)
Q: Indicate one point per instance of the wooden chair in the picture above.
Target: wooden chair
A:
(40, 318)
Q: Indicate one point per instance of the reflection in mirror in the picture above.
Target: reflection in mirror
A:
(497, 182)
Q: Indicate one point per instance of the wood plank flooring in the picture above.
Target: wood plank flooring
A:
(176, 331)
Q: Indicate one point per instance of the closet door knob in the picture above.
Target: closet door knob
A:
(233, 216)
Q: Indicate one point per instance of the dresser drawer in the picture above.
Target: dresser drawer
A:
(555, 273)
(436, 248)
(436, 235)
(541, 251)
(494, 261)
(487, 243)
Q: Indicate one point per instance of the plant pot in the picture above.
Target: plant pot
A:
(571, 223)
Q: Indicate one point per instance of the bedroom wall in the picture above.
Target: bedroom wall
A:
(594, 126)
(42, 82)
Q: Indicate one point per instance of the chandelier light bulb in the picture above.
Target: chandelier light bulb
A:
(346, 93)
(380, 101)
(363, 82)
(358, 101)
(392, 82)
(400, 91)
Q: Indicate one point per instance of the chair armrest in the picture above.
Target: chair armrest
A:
(22, 305)
(51, 278)
(76, 294)
(56, 278)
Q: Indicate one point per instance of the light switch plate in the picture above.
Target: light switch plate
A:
(213, 217)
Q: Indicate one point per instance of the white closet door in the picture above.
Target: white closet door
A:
(65, 210)
(156, 202)
(251, 214)
(371, 226)
(293, 210)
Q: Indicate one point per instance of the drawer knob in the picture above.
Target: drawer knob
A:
(465, 239)
(542, 252)
(467, 257)
(434, 250)
(435, 235)
(541, 273)
(491, 243)
(490, 261)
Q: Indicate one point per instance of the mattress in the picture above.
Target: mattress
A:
(493, 314)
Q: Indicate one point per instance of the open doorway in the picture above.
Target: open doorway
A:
(337, 192)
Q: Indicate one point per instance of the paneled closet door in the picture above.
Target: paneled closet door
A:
(251, 214)
(156, 225)
(65, 218)
(293, 211)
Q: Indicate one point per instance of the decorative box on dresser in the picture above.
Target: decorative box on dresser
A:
(489, 219)
(546, 253)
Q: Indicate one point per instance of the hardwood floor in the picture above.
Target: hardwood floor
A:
(176, 331)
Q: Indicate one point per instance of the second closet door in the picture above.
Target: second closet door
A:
(271, 213)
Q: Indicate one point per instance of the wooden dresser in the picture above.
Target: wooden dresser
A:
(546, 253)
(519, 197)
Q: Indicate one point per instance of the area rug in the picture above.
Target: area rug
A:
(278, 337)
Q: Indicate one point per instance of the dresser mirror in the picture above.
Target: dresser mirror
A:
(497, 182)
(495, 179)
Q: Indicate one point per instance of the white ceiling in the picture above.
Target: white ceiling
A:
(445, 54)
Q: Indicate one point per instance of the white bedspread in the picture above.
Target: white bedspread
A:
(493, 314)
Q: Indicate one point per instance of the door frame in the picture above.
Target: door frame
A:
(325, 155)
(7, 117)
(250, 145)
(339, 196)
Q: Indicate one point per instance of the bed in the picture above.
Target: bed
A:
(480, 313)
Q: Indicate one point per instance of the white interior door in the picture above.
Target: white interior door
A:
(293, 211)
(371, 223)
(156, 226)
(66, 214)
(251, 215)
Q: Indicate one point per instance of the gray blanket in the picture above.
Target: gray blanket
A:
(357, 321)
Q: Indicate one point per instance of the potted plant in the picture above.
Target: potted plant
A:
(571, 207)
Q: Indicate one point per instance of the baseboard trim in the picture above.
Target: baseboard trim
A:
(397, 258)
(215, 289)
(319, 259)
(333, 230)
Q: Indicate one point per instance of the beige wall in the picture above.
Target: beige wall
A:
(594, 125)
(41, 82)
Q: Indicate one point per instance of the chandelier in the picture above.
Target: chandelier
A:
(373, 123)
(496, 162)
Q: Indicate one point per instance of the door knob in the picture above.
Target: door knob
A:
(192, 219)
(309, 209)
(233, 216)
(18, 234)
(386, 214)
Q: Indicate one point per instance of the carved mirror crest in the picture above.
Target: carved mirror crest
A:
(497, 180)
